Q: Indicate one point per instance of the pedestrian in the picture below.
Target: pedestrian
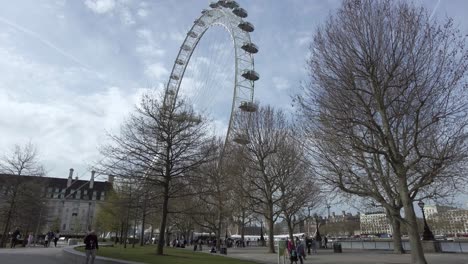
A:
(15, 237)
(56, 237)
(309, 244)
(50, 238)
(30, 239)
(292, 251)
(91, 245)
(325, 241)
(46, 241)
(300, 250)
(314, 244)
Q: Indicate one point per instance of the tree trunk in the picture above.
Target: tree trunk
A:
(397, 243)
(162, 226)
(417, 254)
(218, 230)
(7, 222)
(143, 222)
(271, 231)
(243, 229)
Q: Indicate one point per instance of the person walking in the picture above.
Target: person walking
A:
(309, 244)
(46, 240)
(15, 237)
(300, 251)
(91, 245)
(30, 239)
(314, 244)
(56, 238)
(292, 251)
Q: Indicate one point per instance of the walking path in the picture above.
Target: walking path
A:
(258, 254)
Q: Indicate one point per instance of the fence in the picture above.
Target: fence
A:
(446, 246)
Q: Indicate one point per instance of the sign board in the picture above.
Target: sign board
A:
(281, 250)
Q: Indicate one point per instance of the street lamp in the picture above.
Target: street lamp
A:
(262, 239)
(42, 204)
(318, 237)
(427, 234)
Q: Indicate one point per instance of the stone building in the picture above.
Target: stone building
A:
(373, 223)
(447, 220)
(70, 205)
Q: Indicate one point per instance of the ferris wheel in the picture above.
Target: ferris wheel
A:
(230, 16)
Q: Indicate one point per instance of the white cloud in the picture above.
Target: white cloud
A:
(126, 17)
(142, 12)
(280, 83)
(100, 6)
(156, 71)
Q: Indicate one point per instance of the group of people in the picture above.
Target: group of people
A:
(18, 238)
(296, 250)
(51, 237)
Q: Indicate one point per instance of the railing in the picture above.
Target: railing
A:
(446, 246)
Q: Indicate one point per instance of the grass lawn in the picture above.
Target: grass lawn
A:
(147, 254)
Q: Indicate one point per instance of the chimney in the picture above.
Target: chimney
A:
(70, 175)
(91, 182)
(110, 178)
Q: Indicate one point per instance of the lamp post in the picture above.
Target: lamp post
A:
(427, 234)
(262, 239)
(318, 237)
(38, 222)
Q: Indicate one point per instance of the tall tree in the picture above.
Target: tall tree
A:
(164, 142)
(18, 191)
(266, 130)
(387, 92)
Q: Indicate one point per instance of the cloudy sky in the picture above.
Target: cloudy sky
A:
(72, 70)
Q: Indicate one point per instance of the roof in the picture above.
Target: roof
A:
(60, 184)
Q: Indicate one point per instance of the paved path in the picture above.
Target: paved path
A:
(347, 257)
(38, 255)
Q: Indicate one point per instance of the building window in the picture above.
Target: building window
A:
(64, 227)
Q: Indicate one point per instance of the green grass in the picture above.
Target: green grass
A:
(147, 254)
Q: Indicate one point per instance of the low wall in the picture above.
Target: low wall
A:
(446, 246)
(73, 256)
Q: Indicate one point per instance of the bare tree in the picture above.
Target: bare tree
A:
(385, 107)
(19, 192)
(164, 144)
(214, 191)
(300, 192)
(266, 130)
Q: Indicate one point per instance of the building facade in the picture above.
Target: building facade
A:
(373, 223)
(69, 205)
(447, 220)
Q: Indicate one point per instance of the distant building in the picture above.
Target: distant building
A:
(375, 223)
(71, 205)
(447, 220)
(343, 217)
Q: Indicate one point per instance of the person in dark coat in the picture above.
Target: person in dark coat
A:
(91, 245)
(15, 237)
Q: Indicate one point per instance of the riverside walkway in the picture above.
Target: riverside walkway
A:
(324, 256)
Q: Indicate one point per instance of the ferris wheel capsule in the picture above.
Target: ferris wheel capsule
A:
(250, 47)
(248, 107)
(241, 139)
(240, 12)
(232, 4)
(251, 75)
(246, 26)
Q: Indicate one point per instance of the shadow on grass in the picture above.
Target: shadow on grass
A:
(147, 254)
